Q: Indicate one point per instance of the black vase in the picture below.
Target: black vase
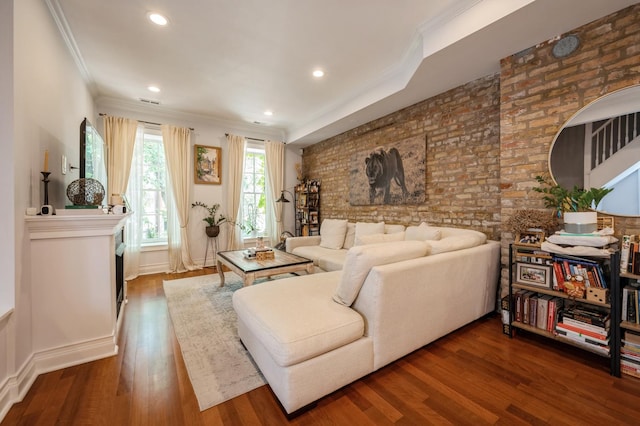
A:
(212, 231)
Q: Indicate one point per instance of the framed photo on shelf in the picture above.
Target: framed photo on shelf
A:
(529, 238)
(313, 218)
(207, 164)
(535, 275)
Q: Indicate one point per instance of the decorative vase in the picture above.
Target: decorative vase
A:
(212, 231)
(580, 222)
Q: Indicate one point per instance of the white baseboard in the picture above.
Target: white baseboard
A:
(155, 268)
(15, 387)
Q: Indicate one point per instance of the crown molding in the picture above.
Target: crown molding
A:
(65, 31)
(167, 115)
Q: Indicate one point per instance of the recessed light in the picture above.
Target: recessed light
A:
(318, 73)
(154, 89)
(158, 19)
(269, 113)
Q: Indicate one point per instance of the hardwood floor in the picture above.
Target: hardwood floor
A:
(475, 375)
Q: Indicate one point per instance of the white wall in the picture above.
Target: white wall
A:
(50, 100)
(7, 216)
(210, 132)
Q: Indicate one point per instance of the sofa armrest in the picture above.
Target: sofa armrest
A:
(293, 242)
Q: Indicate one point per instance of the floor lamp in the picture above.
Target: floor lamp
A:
(283, 199)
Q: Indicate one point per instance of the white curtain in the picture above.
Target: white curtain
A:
(234, 189)
(274, 154)
(134, 195)
(177, 148)
(120, 137)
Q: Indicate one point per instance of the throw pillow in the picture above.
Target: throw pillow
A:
(350, 238)
(422, 232)
(360, 260)
(366, 228)
(392, 228)
(381, 238)
(332, 232)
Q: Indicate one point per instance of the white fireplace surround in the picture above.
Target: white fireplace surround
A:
(73, 285)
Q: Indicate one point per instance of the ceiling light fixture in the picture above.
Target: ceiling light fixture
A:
(154, 89)
(158, 19)
(318, 73)
(269, 113)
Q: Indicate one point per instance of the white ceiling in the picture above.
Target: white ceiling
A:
(232, 60)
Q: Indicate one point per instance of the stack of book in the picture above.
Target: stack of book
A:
(630, 352)
(586, 326)
(537, 310)
(630, 303)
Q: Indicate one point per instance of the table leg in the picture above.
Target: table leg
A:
(220, 272)
(248, 279)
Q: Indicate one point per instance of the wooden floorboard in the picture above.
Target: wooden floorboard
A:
(475, 376)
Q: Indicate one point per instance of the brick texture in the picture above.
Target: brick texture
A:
(461, 128)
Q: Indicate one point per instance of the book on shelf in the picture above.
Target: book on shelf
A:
(631, 337)
(588, 315)
(543, 309)
(573, 335)
(568, 328)
(555, 308)
(590, 272)
(600, 330)
(624, 251)
(633, 258)
(629, 369)
(630, 304)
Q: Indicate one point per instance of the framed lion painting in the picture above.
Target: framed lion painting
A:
(390, 174)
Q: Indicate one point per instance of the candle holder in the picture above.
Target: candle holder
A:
(46, 209)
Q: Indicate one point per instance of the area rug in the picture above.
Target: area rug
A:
(204, 321)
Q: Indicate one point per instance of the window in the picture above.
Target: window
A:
(147, 189)
(253, 191)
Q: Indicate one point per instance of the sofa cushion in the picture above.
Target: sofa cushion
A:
(422, 232)
(332, 232)
(314, 253)
(360, 260)
(350, 238)
(366, 228)
(381, 238)
(332, 261)
(295, 318)
(459, 241)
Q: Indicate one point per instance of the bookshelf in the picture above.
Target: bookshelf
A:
(630, 324)
(543, 302)
(307, 203)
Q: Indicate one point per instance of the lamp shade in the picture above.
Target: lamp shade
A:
(282, 198)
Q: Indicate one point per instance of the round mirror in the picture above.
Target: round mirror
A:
(600, 147)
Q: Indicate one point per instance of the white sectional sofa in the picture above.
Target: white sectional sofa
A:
(313, 334)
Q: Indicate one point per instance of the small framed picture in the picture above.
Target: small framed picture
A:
(207, 164)
(530, 238)
(535, 275)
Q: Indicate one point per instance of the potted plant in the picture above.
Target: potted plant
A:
(576, 206)
(213, 221)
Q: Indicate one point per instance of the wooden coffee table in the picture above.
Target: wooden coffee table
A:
(252, 269)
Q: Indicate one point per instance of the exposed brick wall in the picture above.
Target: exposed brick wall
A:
(462, 172)
(539, 93)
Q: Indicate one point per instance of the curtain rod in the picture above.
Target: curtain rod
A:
(251, 139)
(102, 114)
